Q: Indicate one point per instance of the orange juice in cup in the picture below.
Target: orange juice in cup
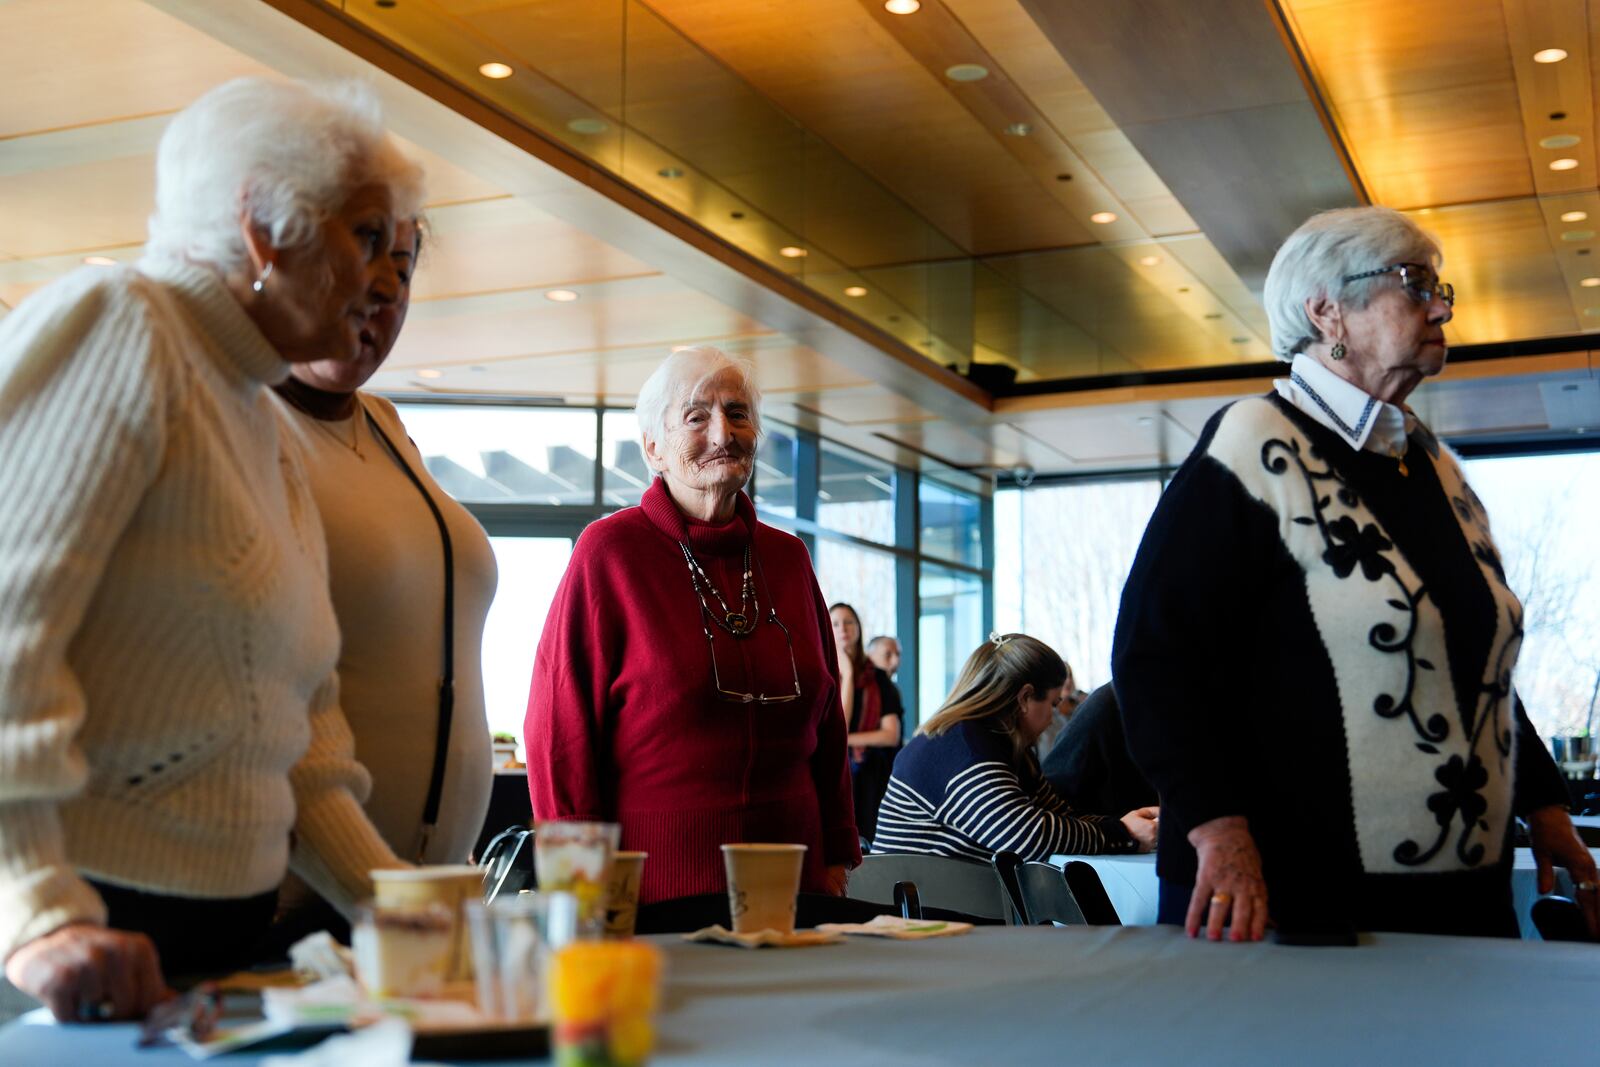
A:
(603, 997)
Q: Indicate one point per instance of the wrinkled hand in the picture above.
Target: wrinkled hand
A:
(1228, 888)
(1143, 823)
(85, 973)
(1556, 842)
(837, 876)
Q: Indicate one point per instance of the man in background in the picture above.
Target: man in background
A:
(884, 652)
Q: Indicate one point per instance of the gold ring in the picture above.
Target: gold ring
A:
(1221, 898)
(1586, 887)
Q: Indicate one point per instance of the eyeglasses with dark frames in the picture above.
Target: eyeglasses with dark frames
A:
(1417, 280)
(751, 698)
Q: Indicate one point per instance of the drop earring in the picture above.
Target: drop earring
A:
(261, 282)
(1337, 353)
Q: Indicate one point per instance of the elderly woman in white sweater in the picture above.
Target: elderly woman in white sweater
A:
(169, 719)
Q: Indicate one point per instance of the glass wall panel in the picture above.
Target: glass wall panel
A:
(949, 627)
(951, 527)
(1062, 555)
(530, 570)
(774, 478)
(1544, 511)
(627, 475)
(506, 455)
(862, 578)
(855, 494)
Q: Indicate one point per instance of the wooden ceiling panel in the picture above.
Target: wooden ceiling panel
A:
(85, 207)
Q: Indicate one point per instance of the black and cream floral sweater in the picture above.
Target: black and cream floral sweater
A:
(1322, 639)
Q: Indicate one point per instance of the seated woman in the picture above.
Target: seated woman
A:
(968, 785)
(872, 710)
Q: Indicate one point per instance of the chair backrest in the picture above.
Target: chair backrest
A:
(942, 884)
(1090, 893)
(1045, 896)
(507, 863)
(1559, 919)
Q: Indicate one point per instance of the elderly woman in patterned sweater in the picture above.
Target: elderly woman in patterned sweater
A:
(968, 785)
(1315, 650)
(169, 717)
(686, 685)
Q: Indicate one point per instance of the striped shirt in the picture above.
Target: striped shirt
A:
(958, 795)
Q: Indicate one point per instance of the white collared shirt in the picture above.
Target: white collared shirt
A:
(1364, 421)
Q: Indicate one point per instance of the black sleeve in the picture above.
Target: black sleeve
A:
(1186, 639)
(890, 704)
(1539, 783)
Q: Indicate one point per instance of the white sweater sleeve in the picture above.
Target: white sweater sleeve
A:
(82, 409)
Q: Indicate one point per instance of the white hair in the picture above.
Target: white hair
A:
(1327, 248)
(288, 153)
(681, 377)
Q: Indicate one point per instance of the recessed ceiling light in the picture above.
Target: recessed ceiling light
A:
(495, 70)
(1559, 140)
(588, 126)
(430, 374)
(100, 261)
(561, 296)
(1591, 311)
(1149, 261)
(1574, 216)
(1019, 129)
(1213, 315)
(855, 290)
(791, 252)
(1577, 235)
(905, 7)
(1550, 55)
(1590, 283)
(966, 72)
(1241, 340)
(1564, 164)
(670, 172)
(1103, 217)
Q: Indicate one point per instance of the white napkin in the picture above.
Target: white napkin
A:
(893, 926)
(765, 938)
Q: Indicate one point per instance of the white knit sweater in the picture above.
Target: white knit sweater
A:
(166, 639)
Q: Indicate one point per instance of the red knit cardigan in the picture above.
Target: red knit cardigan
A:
(624, 723)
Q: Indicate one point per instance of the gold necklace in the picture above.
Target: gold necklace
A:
(354, 443)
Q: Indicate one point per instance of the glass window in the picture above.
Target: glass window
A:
(855, 494)
(950, 523)
(862, 578)
(774, 478)
(949, 627)
(530, 570)
(1062, 556)
(1543, 512)
(627, 475)
(506, 455)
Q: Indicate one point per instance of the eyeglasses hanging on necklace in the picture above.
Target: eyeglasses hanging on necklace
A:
(740, 624)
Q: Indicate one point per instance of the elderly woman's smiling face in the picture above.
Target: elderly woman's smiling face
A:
(710, 442)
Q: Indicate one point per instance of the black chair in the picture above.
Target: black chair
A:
(507, 863)
(946, 888)
(1005, 866)
(1559, 919)
(1589, 835)
(1090, 893)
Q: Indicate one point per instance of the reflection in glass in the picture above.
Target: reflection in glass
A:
(855, 494)
(627, 474)
(506, 455)
(951, 526)
(949, 627)
(774, 474)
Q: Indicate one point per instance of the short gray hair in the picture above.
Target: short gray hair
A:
(1327, 248)
(288, 153)
(681, 376)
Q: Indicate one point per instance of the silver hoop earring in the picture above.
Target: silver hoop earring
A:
(261, 282)
(1337, 353)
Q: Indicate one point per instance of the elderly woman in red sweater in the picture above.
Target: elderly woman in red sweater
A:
(686, 685)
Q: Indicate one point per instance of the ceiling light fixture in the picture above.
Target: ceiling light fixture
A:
(1590, 283)
(561, 296)
(1103, 217)
(495, 70)
(855, 290)
(1565, 163)
(904, 7)
(1550, 55)
(966, 72)
(792, 252)
(1560, 140)
(1577, 235)
(430, 373)
(588, 126)
(1574, 216)
(100, 261)
(1019, 129)
(670, 172)
(1241, 340)
(1149, 261)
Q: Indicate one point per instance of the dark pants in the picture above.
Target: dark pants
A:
(196, 937)
(1172, 905)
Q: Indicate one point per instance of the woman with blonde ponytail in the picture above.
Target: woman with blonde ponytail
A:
(968, 785)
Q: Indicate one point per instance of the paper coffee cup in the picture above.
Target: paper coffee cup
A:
(451, 885)
(762, 883)
(622, 893)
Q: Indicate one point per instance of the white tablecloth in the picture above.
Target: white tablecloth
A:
(1131, 884)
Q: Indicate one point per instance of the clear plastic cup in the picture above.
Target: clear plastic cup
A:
(575, 857)
(511, 944)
